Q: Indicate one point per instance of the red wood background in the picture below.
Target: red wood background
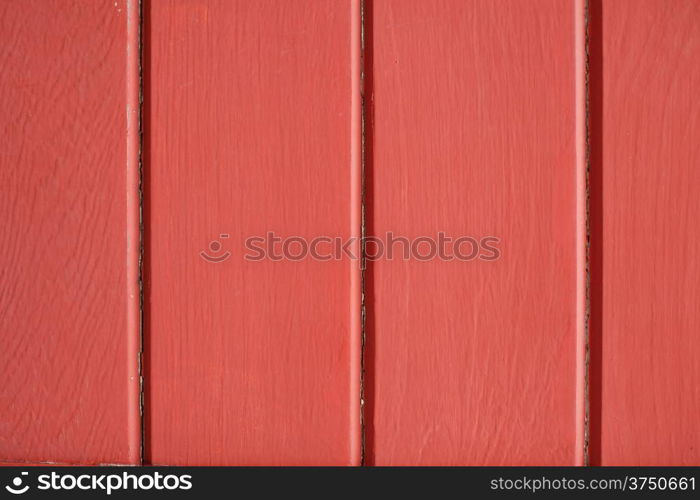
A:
(645, 121)
(69, 268)
(252, 125)
(480, 118)
(474, 134)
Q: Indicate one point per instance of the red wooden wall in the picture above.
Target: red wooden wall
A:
(475, 362)
(566, 129)
(645, 120)
(69, 203)
(253, 125)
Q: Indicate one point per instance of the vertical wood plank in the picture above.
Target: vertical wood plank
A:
(253, 125)
(69, 201)
(645, 120)
(475, 134)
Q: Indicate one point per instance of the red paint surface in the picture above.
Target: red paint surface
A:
(476, 125)
(646, 240)
(69, 334)
(252, 125)
(474, 133)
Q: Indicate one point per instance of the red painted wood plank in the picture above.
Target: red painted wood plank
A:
(645, 121)
(69, 200)
(252, 125)
(475, 134)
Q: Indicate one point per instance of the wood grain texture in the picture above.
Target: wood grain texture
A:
(252, 125)
(69, 360)
(645, 123)
(474, 133)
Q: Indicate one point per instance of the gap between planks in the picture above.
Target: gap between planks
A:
(582, 233)
(134, 229)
